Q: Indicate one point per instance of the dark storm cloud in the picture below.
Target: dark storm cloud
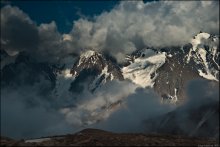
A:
(26, 113)
(20, 33)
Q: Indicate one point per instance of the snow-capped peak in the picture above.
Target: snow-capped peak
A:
(87, 55)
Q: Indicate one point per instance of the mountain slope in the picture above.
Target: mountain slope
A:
(94, 137)
(95, 69)
(170, 69)
(197, 121)
(166, 70)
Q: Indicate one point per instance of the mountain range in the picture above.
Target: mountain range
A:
(166, 70)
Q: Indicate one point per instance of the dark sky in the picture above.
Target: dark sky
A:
(62, 12)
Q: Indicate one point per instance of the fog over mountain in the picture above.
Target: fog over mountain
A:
(140, 67)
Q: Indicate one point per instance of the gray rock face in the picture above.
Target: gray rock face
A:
(24, 71)
(187, 63)
(174, 75)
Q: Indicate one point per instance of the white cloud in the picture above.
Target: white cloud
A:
(132, 25)
(67, 37)
(92, 107)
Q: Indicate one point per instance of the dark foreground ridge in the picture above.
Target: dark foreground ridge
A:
(95, 137)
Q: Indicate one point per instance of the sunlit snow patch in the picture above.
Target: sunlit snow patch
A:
(143, 70)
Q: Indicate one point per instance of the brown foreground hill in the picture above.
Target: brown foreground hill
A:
(95, 137)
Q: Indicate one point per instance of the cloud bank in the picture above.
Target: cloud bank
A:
(30, 114)
(118, 106)
(134, 25)
(40, 114)
(137, 107)
(93, 107)
(127, 27)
